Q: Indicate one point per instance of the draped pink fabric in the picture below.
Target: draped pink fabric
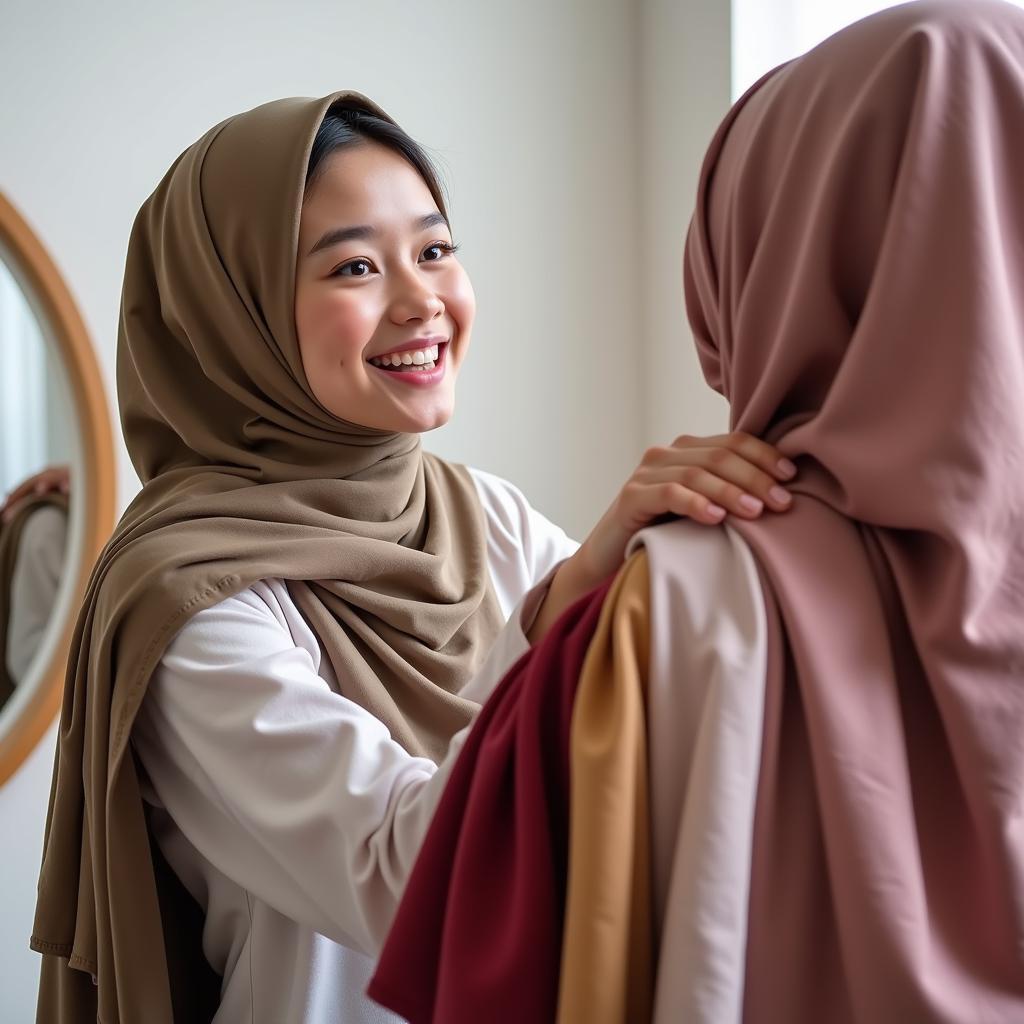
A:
(855, 280)
(478, 935)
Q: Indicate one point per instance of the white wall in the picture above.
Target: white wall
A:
(683, 92)
(532, 110)
(767, 34)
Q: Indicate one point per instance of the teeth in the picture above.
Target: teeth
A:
(422, 358)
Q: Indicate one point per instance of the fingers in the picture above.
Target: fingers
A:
(703, 479)
(761, 454)
(722, 475)
(646, 500)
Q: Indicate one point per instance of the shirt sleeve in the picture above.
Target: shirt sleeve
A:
(524, 548)
(295, 793)
(523, 544)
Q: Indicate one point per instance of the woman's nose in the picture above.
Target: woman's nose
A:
(413, 300)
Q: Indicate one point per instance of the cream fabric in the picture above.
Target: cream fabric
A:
(705, 714)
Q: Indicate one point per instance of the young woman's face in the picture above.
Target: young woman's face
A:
(383, 309)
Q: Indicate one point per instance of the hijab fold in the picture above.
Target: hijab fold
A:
(245, 477)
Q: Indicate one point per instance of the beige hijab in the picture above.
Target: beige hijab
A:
(245, 476)
(855, 279)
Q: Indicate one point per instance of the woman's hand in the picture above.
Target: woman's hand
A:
(54, 478)
(702, 478)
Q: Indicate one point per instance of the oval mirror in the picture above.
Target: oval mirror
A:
(54, 421)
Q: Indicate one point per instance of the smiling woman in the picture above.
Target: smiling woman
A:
(383, 309)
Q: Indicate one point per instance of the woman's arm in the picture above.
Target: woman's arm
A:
(295, 793)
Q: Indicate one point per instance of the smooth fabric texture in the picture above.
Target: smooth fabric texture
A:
(705, 709)
(245, 477)
(288, 811)
(853, 276)
(665, 753)
(478, 933)
(17, 644)
(607, 962)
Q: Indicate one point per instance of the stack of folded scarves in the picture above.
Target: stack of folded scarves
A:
(546, 807)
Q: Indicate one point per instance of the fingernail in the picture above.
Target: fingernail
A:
(787, 468)
(779, 496)
(751, 504)
(716, 511)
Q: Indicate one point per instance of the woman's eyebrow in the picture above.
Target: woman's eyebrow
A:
(338, 235)
(432, 220)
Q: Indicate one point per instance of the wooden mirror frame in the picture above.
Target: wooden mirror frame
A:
(94, 495)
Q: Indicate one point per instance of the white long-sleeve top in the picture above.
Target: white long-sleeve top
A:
(286, 809)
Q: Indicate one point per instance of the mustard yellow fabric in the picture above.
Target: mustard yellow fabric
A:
(607, 974)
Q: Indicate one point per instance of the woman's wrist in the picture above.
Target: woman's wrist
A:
(571, 581)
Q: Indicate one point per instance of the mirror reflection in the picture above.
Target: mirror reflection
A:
(36, 445)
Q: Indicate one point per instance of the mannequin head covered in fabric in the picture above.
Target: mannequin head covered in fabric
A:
(854, 276)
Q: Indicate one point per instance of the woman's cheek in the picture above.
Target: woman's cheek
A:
(347, 325)
(461, 302)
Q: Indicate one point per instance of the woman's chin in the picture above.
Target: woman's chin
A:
(423, 424)
(418, 419)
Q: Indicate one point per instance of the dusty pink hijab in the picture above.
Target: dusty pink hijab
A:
(855, 280)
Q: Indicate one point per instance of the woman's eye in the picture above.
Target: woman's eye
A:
(356, 268)
(438, 250)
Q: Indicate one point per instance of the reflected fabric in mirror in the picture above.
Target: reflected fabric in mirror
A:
(36, 445)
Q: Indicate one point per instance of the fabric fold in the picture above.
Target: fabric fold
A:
(607, 961)
(478, 934)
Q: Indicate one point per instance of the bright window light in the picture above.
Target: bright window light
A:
(767, 32)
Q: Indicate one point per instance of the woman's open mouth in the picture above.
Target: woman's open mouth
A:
(412, 360)
(423, 366)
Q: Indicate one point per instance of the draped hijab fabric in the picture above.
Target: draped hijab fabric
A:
(245, 476)
(855, 281)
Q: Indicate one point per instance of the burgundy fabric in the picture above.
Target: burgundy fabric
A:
(478, 934)
(855, 281)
